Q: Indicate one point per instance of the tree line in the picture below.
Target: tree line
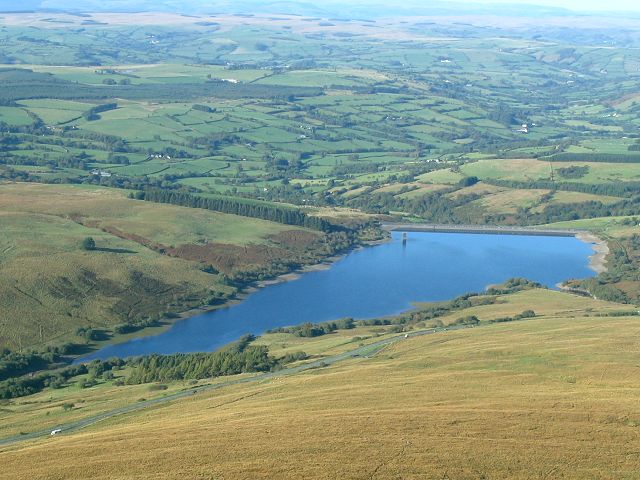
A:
(239, 206)
(594, 157)
(316, 330)
(575, 211)
(238, 358)
(619, 189)
(94, 112)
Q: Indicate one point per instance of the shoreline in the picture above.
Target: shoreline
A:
(598, 260)
(242, 294)
(297, 273)
(325, 264)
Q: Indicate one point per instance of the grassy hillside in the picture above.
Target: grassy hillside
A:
(553, 397)
(151, 260)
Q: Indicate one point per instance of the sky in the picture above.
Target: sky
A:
(578, 5)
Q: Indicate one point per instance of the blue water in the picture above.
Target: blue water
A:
(376, 281)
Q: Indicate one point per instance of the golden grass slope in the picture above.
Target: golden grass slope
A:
(553, 397)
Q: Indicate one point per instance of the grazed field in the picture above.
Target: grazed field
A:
(551, 397)
(615, 227)
(524, 170)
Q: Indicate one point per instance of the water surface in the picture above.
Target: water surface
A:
(376, 281)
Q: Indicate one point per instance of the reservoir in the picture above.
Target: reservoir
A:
(376, 281)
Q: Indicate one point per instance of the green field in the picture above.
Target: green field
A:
(532, 170)
(251, 117)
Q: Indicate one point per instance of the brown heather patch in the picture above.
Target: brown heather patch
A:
(226, 257)
(223, 256)
(296, 239)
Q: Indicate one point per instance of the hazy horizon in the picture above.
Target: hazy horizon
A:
(575, 5)
(506, 7)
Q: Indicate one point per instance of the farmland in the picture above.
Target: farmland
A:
(354, 118)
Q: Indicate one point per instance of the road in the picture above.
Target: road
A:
(364, 351)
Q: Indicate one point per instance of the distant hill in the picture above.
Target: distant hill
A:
(331, 8)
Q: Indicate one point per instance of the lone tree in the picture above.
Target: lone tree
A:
(89, 243)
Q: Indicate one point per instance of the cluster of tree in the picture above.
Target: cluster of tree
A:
(88, 244)
(520, 316)
(467, 321)
(619, 313)
(435, 207)
(293, 357)
(575, 211)
(237, 358)
(91, 334)
(506, 115)
(434, 311)
(342, 171)
(240, 206)
(136, 324)
(468, 300)
(118, 159)
(14, 364)
(94, 112)
(572, 172)
(30, 384)
(203, 108)
(112, 81)
(36, 137)
(318, 329)
(603, 290)
(623, 267)
(468, 181)
(327, 245)
(595, 157)
(513, 285)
